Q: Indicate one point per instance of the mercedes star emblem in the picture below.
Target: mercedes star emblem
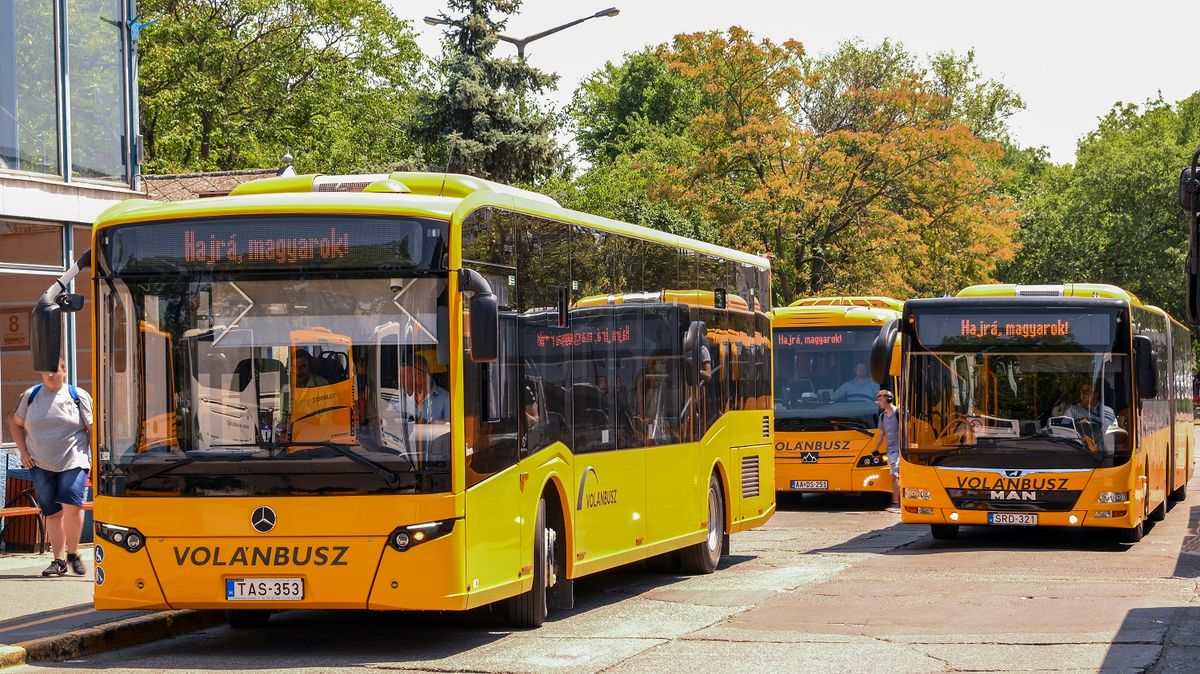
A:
(263, 519)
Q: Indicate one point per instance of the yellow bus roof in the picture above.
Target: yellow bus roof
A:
(1086, 290)
(433, 195)
(873, 301)
(831, 315)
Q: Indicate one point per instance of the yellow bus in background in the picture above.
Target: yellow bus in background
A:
(412, 391)
(1064, 405)
(826, 438)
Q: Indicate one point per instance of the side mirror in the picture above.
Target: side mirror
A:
(485, 317)
(881, 351)
(1145, 367)
(45, 335)
(692, 341)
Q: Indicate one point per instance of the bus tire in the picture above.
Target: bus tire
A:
(528, 610)
(1158, 514)
(247, 619)
(1132, 534)
(1179, 494)
(943, 532)
(703, 557)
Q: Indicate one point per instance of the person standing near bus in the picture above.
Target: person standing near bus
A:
(51, 427)
(889, 426)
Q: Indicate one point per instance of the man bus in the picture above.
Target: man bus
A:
(356, 503)
(1061, 405)
(826, 435)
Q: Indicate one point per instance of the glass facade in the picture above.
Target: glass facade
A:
(66, 105)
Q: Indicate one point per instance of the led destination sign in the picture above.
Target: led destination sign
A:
(274, 243)
(1091, 330)
(816, 339)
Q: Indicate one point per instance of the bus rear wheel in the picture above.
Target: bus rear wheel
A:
(247, 619)
(529, 610)
(703, 557)
(944, 532)
(1179, 494)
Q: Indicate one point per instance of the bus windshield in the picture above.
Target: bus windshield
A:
(1050, 394)
(303, 385)
(822, 380)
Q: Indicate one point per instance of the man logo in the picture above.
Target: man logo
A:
(1013, 473)
(263, 519)
(808, 457)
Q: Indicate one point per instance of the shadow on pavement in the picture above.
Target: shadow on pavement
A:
(1187, 565)
(1159, 639)
(1018, 539)
(393, 640)
(791, 501)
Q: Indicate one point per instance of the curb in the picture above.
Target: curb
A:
(109, 636)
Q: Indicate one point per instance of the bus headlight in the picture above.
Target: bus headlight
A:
(918, 494)
(1112, 497)
(405, 537)
(872, 460)
(126, 537)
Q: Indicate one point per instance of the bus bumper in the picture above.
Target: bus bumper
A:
(1117, 515)
(838, 477)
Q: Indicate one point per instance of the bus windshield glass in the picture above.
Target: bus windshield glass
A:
(255, 385)
(1051, 394)
(822, 379)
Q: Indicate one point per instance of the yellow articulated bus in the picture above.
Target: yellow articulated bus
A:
(1062, 405)
(825, 409)
(412, 391)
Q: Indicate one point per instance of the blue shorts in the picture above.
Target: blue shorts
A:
(53, 489)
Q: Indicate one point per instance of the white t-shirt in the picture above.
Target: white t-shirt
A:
(55, 435)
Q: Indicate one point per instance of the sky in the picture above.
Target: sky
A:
(1069, 60)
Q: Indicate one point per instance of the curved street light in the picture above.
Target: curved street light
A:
(521, 43)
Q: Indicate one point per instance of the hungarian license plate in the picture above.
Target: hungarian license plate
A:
(1018, 519)
(264, 589)
(810, 484)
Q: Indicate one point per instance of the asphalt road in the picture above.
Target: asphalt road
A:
(830, 584)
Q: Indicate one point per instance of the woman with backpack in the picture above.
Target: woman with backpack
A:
(52, 427)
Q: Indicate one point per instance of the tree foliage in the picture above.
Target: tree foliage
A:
(482, 117)
(229, 84)
(1112, 217)
(860, 170)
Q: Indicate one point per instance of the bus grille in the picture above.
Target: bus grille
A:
(1014, 501)
(749, 476)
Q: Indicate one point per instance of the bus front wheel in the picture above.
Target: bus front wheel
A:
(1132, 534)
(529, 609)
(704, 556)
(944, 532)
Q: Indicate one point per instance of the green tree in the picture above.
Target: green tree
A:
(229, 84)
(1112, 217)
(483, 117)
(618, 107)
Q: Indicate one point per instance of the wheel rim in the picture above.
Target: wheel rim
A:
(714, 516)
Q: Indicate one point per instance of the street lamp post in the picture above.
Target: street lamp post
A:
(522, 42)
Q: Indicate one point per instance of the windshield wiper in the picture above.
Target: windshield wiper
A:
(159, 470)
(392, 477)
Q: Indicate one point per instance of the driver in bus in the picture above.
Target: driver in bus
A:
(860, 388)
(1090, 415)
(305, 377)
(423, 401)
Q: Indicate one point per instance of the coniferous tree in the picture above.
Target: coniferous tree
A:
(483, 119)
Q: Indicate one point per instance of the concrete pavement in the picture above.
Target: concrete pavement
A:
(830, 584)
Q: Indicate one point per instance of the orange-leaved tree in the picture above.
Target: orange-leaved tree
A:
(849, 169)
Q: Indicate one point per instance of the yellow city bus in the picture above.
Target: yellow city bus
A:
(482, 435)
(1064, 405)
(825, 411)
